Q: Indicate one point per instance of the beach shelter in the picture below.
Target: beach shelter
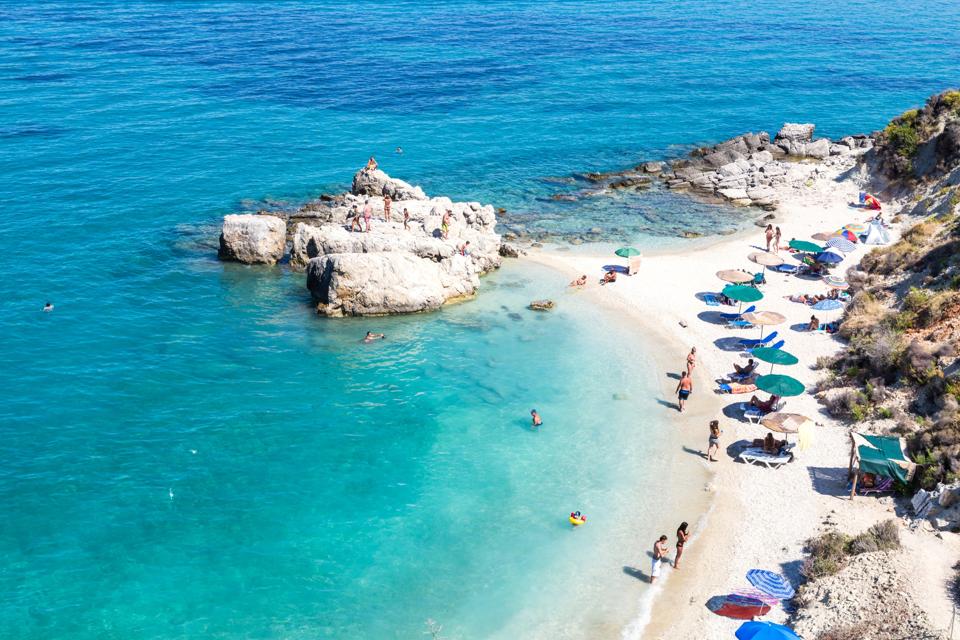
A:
(774, 356)
(633, 258)
(805, 246)
(754, 630)
(881, 455)
(735, 276)
(877, 234)
(780, 385)
(841, 243)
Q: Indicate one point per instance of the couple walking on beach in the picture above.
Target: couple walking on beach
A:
(660, 551)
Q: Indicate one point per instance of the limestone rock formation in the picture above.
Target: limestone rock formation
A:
(252, 239)
(374, 182)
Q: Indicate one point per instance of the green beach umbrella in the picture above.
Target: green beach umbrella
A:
(742, 293)
(627, 252)
(774, 356)
(780, 385)
(805, 246)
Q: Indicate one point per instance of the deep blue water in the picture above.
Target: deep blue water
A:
(339, 490)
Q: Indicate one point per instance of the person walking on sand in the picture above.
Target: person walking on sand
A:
(682, 536)
(536, 419)
(387, 201)
(684, 389)
(713, 443)
(367, 214)
(776, 240)
(691, 361)
(659, 555)
(769, 234)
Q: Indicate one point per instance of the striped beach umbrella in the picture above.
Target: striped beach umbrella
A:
(771, 583)
(841, 243)
(836, 282)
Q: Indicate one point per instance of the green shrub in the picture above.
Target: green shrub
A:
(952, 100)
(886, 534)
(884, 413)
(827, 555)
(904, 139)
(862, 543)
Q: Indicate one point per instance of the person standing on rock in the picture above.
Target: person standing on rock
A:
(776, 240)
(387, 201)
(769, 233)
(406, 219)
(445, 224)
(355, 219)
(367, 214)
(684, 389)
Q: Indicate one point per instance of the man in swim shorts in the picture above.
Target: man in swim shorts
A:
(659, 555)
(684, 389)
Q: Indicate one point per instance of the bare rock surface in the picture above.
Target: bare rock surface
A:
(252, 239)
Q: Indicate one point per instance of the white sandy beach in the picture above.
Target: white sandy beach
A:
(760, 517)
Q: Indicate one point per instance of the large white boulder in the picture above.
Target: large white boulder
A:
(794, 132)
(374, 182)
(252, 239)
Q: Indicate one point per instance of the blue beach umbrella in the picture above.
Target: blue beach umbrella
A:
(770, 583)
(827, 305)
(841, 243)
(753, 630)
(829, 257)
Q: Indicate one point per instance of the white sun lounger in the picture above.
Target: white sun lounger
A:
(751, 455)
(754, 414)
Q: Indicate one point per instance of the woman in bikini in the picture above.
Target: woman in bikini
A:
(769, 234)
(682, 536)
(713, 444)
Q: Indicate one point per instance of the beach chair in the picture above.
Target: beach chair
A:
(739, 324)
(758, 279)
(734, 316)
(883, 486)
(776, 345)
(749, 343)
(786, 268)
(711, 300)
(754, 414)
(760, 457)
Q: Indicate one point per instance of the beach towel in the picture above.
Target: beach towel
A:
(736, 387)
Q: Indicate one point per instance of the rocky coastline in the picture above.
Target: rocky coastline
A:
(403, 263)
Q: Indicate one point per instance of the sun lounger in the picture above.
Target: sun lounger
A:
(734, 316)
(739, 324)
(758, 342)
(736, 387)
(711, 300)
(786, 268)
(754, 414)
(764, 459)
(776, 345)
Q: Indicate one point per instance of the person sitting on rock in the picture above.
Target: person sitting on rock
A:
(609, 276)
(579, 282)
(371, 164)
(465, 248)
(370, 337)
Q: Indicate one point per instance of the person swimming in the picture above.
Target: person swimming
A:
(398, 150)
(48, 307)
(537, 420)
(371, 336)
(579, 282)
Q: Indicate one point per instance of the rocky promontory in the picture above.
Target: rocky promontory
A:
(425, 253)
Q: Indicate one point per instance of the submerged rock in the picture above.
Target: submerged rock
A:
(252, 239)
(541, 305)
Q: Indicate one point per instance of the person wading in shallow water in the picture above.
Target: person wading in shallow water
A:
(684, 389)
(659, 555)
(682, 536)
(713, 444)
(536, 419)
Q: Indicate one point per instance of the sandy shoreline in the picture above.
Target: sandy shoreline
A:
(758, 518)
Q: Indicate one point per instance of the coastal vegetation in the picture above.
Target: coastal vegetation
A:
(829, 552)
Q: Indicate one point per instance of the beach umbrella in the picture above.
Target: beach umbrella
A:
(627, 252)
(780, 385)
(784, 422)
(827, 305)
(774, 356)
(765, 260)
(764, 319)
(772, 583)
(754, 630)
(823, 236)
(741, 293)
(829, 257)
(738, 607)
(855, 227)
(805, 246)
(841, 243)
(735, 276)
(836, 282)
(849, 235)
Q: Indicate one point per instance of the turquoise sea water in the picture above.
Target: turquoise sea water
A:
(320, 487)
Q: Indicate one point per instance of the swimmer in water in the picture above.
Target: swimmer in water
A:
(537, 421)
(371, 336)
(48, 307)
(398, 150)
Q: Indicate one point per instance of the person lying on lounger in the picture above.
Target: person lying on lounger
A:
(609, 276)
(767, 406)
(746, 370)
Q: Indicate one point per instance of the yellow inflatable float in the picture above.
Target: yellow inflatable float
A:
(577, 519)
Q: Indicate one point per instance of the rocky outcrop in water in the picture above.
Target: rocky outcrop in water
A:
(252, 239)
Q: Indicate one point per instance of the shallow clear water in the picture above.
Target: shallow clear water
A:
(340, 489)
